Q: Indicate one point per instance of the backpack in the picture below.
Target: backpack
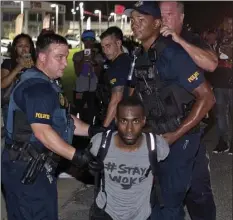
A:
(156, 197)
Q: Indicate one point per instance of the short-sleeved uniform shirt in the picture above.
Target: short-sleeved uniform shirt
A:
(174, 65)
(38, 100)
(118, 71)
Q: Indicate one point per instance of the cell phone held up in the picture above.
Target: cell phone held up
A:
(87, 54)
(28, 60)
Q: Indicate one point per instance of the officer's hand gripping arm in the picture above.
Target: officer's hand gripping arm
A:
(82, 158)
(204, 58)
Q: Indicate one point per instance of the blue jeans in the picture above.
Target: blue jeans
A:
(175, 175)
(224, 112)
(27, 202)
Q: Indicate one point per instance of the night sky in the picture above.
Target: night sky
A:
(200, 15)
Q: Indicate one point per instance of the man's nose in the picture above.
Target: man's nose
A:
(65, 62)
(129, 127)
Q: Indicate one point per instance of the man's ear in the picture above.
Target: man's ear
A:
(182, 17)
(42, 57)
(144, 121)
(119, 43)
(157, 23)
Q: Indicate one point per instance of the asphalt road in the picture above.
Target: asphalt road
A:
(77, 205)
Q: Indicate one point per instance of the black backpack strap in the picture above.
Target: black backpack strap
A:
(103, 150)
(156, 194)
(151, 140)
(104, 145)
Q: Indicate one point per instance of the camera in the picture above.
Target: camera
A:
(87, 52)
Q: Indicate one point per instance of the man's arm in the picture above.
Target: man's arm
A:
(117, 94)
(78, 62)
(51, 140)
(191, 79)
(204, 58)
(204, 102)
(81, 128)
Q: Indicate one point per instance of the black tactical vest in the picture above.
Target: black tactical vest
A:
(166, 103)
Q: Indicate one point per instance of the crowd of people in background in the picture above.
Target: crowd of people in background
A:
(221, 79)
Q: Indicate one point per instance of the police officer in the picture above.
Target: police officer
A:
(119, 67)
(176, 97)
(40, 128)
(199, 199)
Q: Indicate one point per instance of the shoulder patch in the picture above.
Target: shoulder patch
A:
(112, 81)
(194, 76)
(42, 116)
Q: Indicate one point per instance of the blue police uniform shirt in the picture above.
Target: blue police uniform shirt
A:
(182, 69)
(174, 65)
(119, 70)
(38, 100)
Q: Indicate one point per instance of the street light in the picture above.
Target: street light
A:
(112, 14)
(81, 15)
(21, 6)
(73, 10)
(123, 22)
(99, 13)
(56, 6)
(81, 19)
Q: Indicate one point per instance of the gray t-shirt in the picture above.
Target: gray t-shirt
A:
(128, 190)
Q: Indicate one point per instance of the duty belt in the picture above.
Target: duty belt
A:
(36, 160)
(25, 152)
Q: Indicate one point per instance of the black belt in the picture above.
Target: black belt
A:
(25, 152)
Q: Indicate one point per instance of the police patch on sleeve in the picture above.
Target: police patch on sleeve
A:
(113, 81)
(194, 77)
(42, 115)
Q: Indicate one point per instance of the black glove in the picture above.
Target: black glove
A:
(95, 166)
(94, 129)
(82, 158)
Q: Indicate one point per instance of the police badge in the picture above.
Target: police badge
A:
(62, 100)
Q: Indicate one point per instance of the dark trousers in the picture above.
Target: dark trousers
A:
(224, 112)
(27, 202)
(199, 199)
(98, 214)
(88, 98)
(4, 115)
(175, 175)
